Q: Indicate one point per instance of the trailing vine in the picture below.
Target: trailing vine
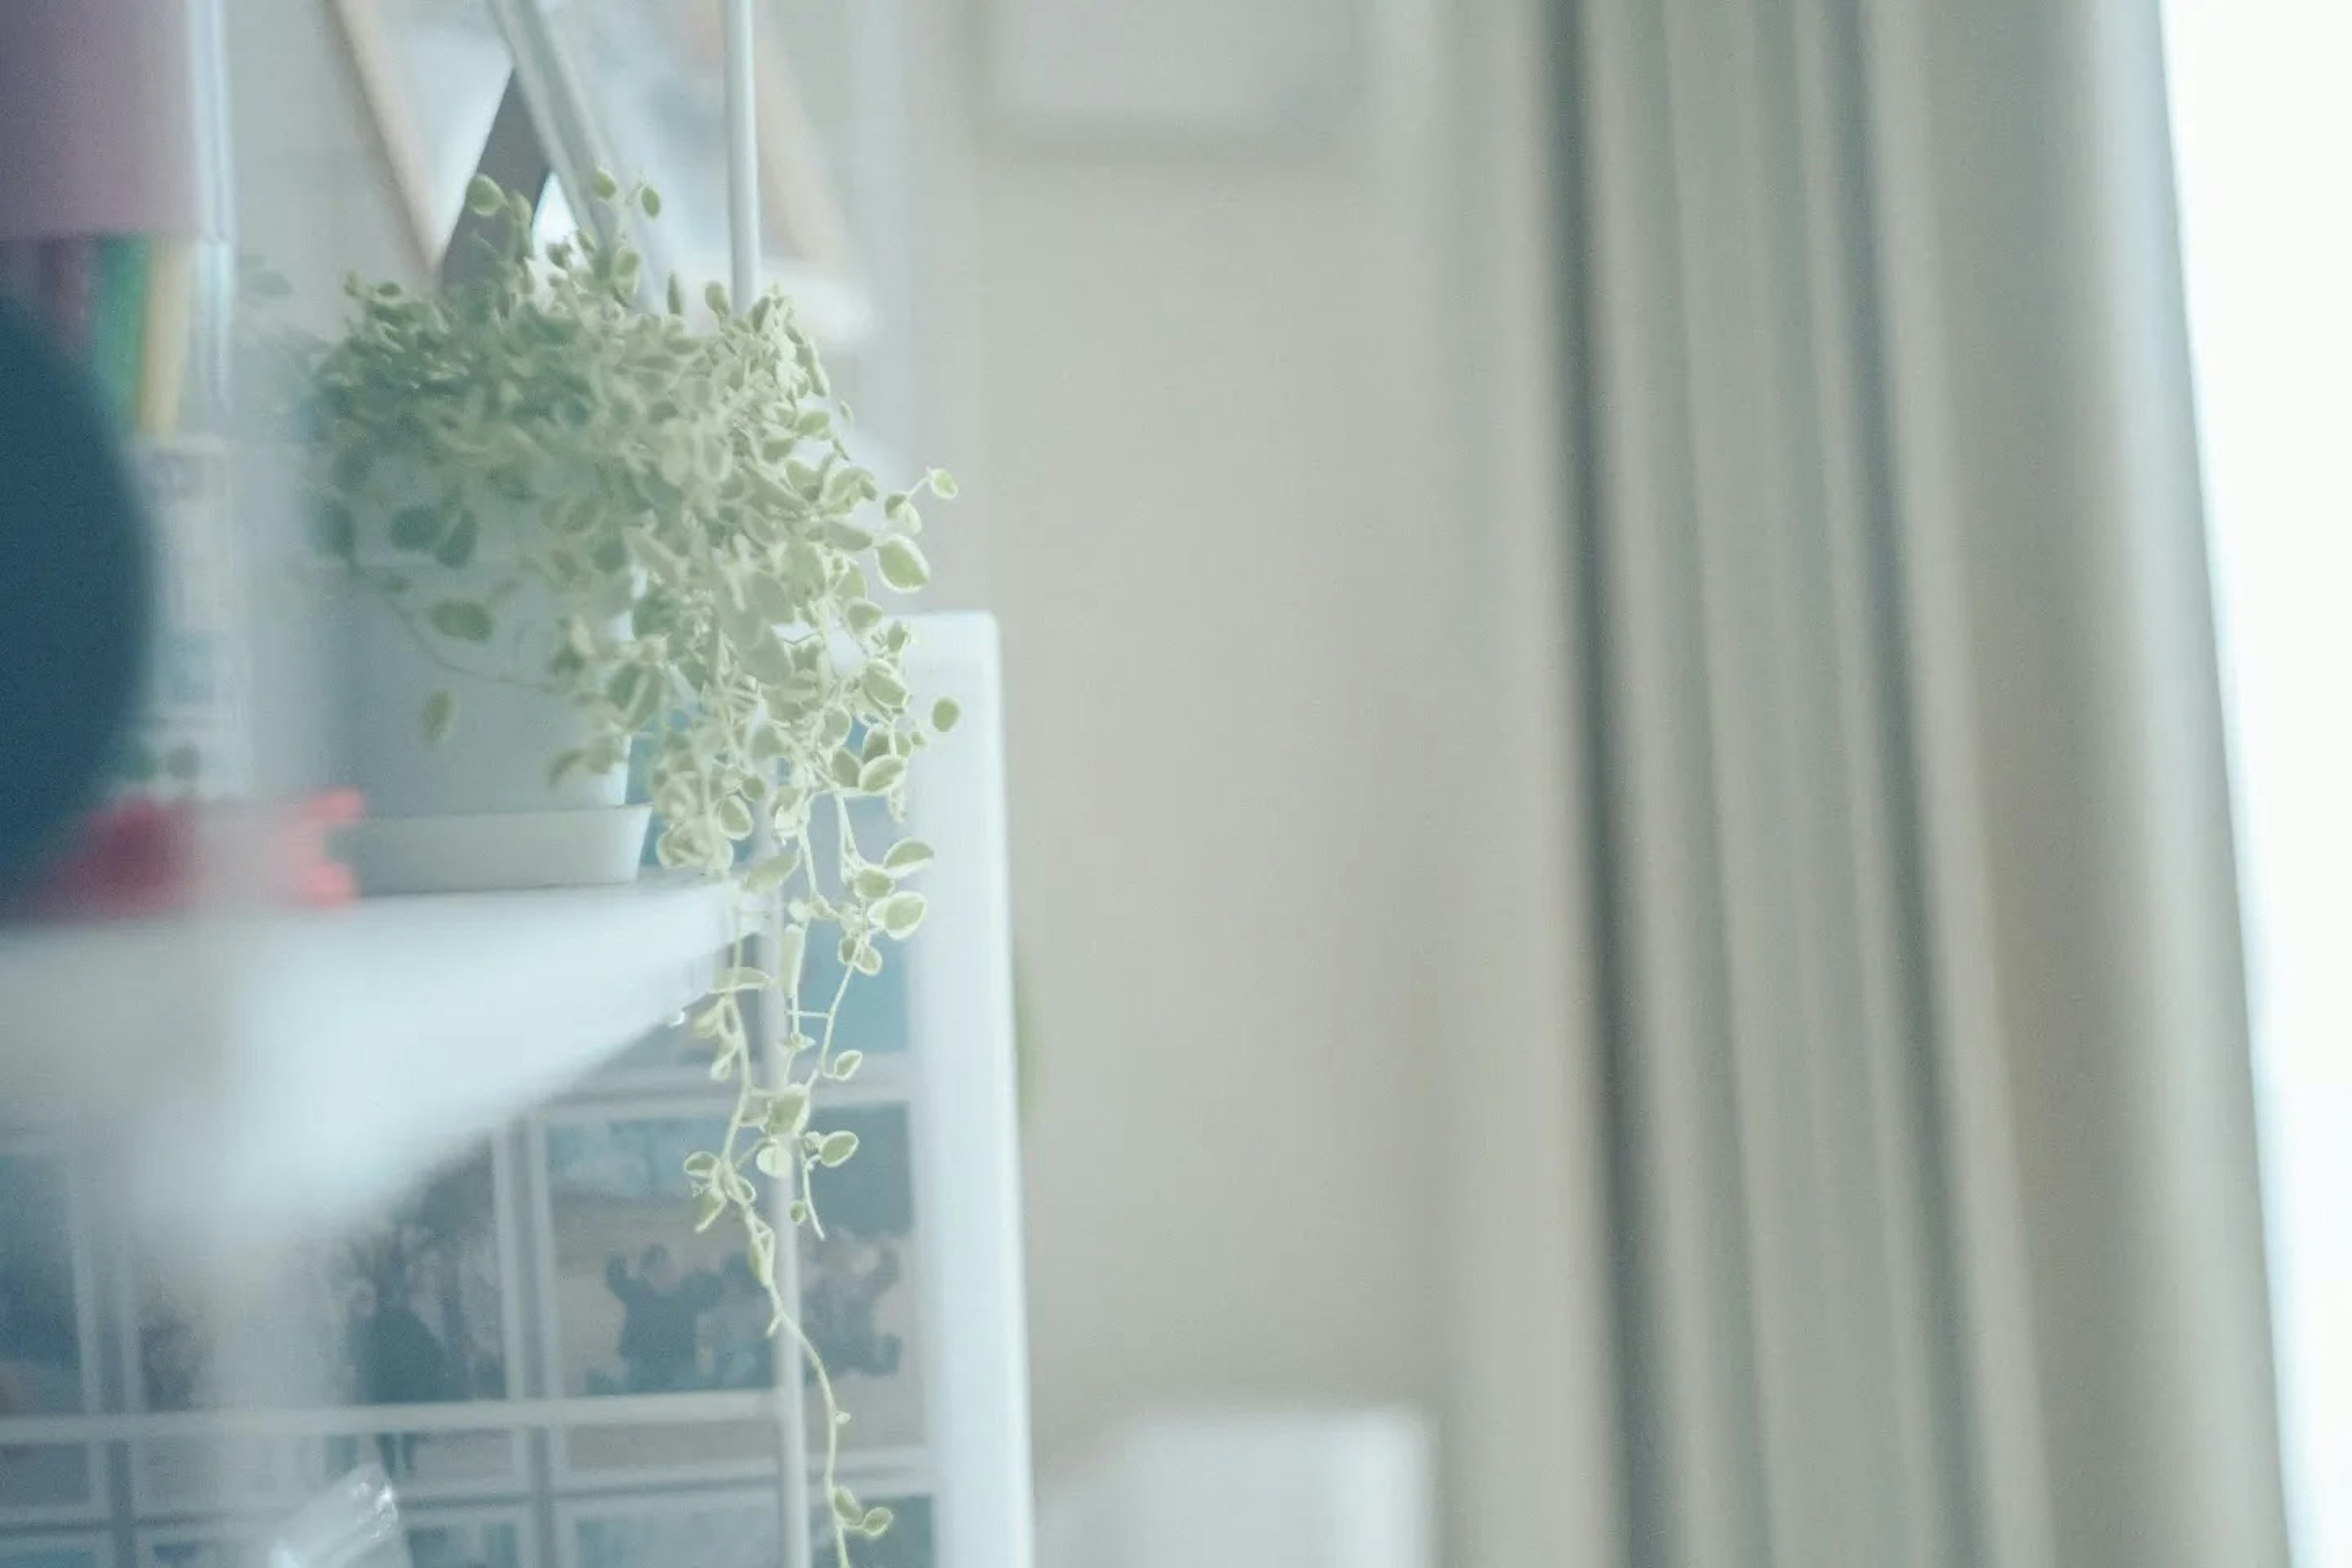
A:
(673, 497)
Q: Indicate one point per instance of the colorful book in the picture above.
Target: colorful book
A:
(66, 284)
(118, 320)
(163, 363)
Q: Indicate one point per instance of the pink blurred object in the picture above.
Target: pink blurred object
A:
(102, 127)
(142, 858)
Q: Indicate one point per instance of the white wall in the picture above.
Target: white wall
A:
(1212, 543)
(1257, 453)
(1188, 398)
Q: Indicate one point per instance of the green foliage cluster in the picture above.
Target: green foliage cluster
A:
(678, 497)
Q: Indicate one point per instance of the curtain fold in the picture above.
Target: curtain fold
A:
(1924, 1062)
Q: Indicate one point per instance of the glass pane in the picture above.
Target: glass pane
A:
(2259, 121)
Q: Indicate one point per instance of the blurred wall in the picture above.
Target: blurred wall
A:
(1195, 407)
(1194, 398)
(1262, 458)
(1262, 455)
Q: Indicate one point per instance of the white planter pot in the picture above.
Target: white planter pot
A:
(475, 810)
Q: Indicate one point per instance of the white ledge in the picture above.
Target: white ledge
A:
(273, 1074)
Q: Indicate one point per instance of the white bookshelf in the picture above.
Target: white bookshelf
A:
(274, 1074)
(266, 1080)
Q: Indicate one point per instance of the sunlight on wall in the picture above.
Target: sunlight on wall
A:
(2261, 119)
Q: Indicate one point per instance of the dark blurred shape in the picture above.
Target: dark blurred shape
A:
(76, 575)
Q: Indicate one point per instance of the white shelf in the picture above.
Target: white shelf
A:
(273, 1075)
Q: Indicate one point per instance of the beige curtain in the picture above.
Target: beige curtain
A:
(1916, 1045)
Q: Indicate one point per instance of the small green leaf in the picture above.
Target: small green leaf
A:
(868, 960)
(798, 1213)
(675, 295)
(734, 819)
(876, 1521)
(483, 197)
(603, 184)
(871, 882)
(845, 768)
(708, 1208)
(761, 1255)
(845, 1065)
(906, 856)
(440, 715)
(863, 615)
(788, 1112)
(944, 714)
(900, 913)
(902, 564)
(845, 487)
(332, 530)
(880, 774)
(837, 1149)
(716, 298)
(846, 1506)
(456, 546)
(767, 743)
(888, 692)
(415, 528)
(774, 1159)
(649, 199)
(942, 483)
(727, 1026)
(462, 619)
(351, 468)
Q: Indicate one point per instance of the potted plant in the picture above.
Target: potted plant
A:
(570, 516)
(578, 524)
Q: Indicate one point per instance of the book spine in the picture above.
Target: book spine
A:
(163, 363)
(66, 284)
(118, 321)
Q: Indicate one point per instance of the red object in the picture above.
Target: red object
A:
(142, 858)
